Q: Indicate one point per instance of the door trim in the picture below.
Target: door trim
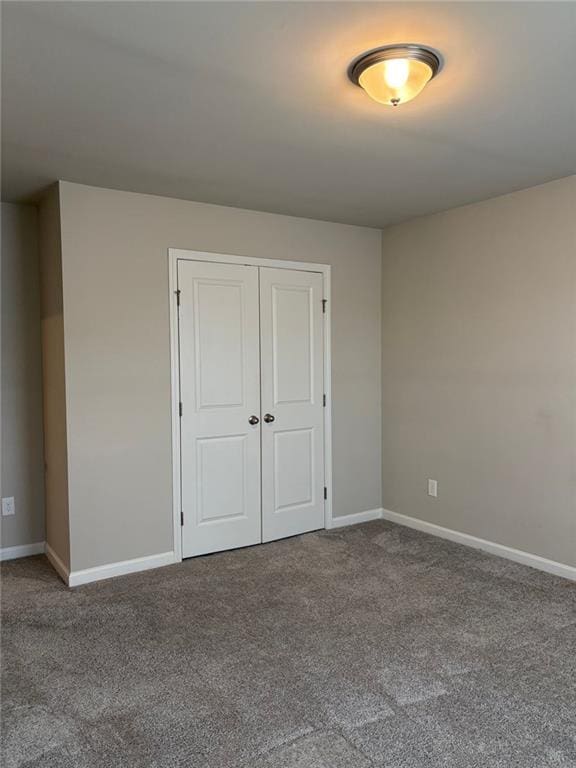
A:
(178, 254)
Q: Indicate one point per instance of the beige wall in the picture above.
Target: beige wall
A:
(53, 372)
(22, 455)
(479, 369)
(116, 331)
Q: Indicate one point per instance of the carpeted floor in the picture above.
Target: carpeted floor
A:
(367, 646)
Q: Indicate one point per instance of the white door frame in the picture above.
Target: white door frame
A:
(177, 254)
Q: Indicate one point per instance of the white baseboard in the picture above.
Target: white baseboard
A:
(517, 555)
(23, 550)
(57, 564)
(356, 517)
(76, 578)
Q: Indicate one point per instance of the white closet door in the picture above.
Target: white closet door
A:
(220, 393)
(291, 323)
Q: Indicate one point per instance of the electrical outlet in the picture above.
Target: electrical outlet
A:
(8, 506)
(432, 487)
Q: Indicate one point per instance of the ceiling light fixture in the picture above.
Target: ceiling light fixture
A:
(395, 74)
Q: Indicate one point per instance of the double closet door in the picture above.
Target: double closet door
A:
(251, 391)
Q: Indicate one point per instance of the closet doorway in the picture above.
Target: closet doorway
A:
(251, 400)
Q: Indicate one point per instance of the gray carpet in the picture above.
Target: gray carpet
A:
(367, 646)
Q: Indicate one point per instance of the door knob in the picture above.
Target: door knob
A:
(253, 420)
(268, 418)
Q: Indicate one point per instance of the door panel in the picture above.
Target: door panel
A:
(220, 391)
(292, 393)
(293, 467)
(217, 500)
(292, 344)
(218, 314)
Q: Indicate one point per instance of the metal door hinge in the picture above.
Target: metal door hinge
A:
(324, 400)
(180, 409)
(324, 302)
(325, 492)
(181, 517)
(177, 292)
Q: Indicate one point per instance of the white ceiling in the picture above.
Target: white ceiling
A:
(248, 104)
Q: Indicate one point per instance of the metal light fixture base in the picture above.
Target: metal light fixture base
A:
(412, 51)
